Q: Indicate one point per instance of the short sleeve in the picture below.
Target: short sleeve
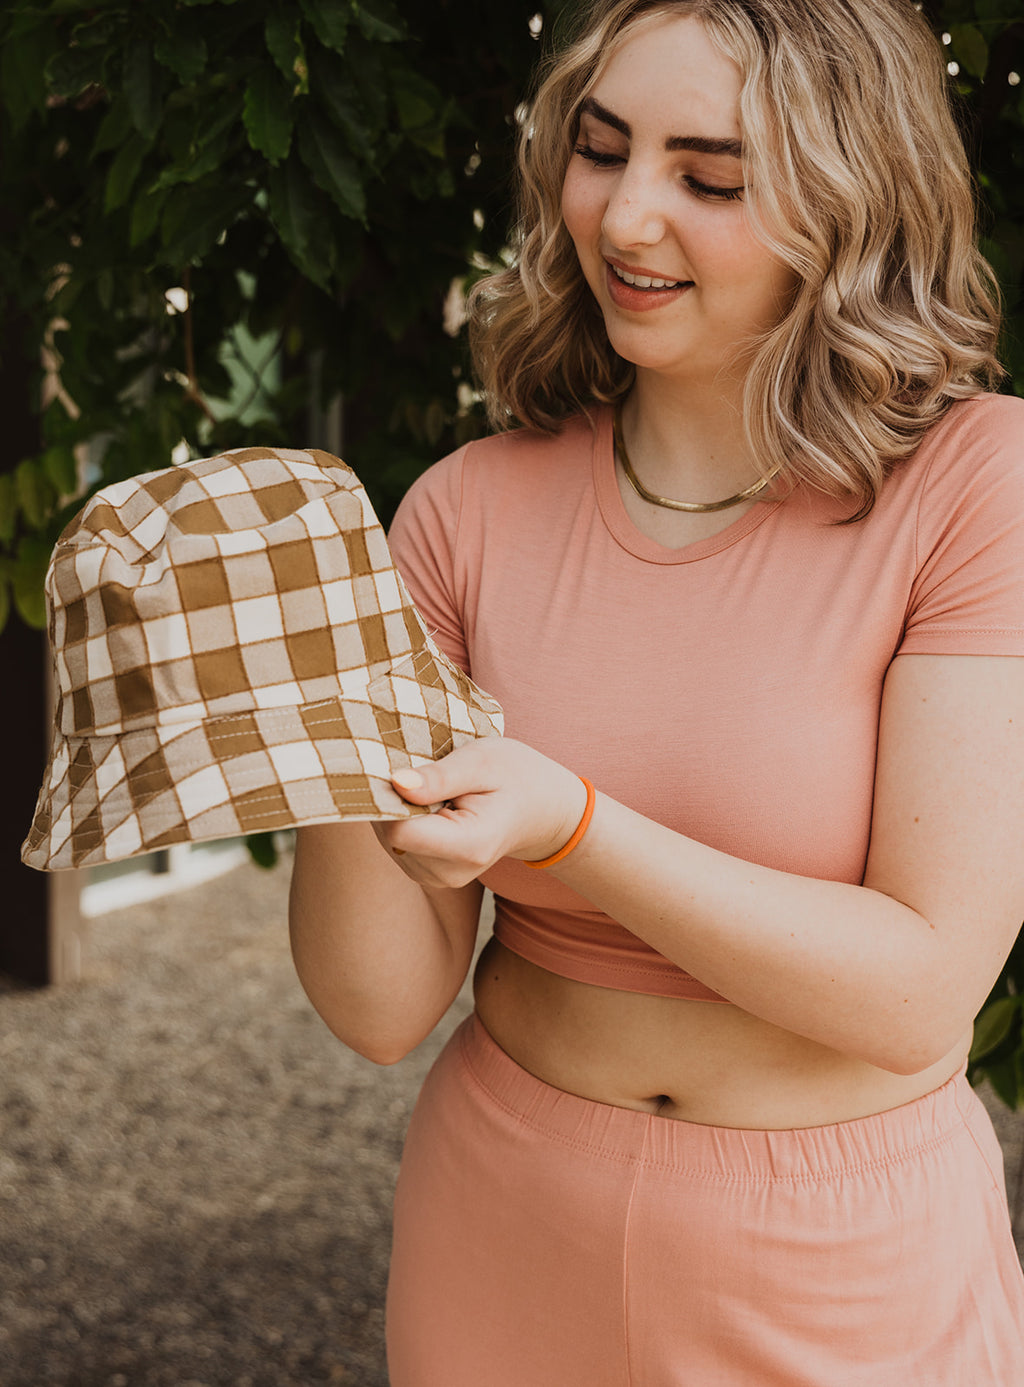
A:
(422, 538)
(968, 594)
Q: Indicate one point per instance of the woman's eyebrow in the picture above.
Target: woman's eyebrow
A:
(591, 107)
(698, 144)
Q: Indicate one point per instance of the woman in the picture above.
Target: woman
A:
(709, 1123)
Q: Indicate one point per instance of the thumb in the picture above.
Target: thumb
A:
(420, 785)
(461, 772)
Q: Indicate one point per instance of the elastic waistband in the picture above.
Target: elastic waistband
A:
(725, 1153)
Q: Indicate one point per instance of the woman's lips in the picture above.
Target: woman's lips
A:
(653, 292)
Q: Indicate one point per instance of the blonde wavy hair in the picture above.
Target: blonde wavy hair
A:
(857, 178)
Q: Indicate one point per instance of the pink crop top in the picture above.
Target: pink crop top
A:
(730, 689)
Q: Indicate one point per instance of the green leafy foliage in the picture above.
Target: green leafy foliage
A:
(998, 1050)
(312, 170)
(184, 177)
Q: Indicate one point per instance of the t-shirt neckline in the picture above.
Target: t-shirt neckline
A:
(625, 533)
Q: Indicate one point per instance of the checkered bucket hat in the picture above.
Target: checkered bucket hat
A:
(234, 651)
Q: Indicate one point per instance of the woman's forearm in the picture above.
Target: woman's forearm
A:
(844, 965)
(380, 957)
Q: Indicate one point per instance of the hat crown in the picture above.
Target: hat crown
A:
(216, 586)
(234, 493)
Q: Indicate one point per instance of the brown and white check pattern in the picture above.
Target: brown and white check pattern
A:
(235, 651)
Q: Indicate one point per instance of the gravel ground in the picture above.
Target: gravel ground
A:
(195, 1177)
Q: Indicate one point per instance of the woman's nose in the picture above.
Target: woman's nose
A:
(635, 212)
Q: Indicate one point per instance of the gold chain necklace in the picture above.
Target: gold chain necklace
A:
(691, 507)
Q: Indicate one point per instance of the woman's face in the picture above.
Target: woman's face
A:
(653, 199)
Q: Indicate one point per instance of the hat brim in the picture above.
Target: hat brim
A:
(108, 798)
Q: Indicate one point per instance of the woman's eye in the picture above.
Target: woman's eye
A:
(710, 191)
(603, 161)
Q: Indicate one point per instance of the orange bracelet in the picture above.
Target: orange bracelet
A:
(581, 828)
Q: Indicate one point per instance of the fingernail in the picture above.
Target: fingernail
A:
(408, 779)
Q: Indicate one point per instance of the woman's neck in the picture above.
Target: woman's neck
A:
(687, 446)
(688, 443)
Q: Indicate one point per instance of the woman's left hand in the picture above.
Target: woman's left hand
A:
(501, 799)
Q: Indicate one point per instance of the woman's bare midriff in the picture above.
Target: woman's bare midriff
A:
(706, 1062)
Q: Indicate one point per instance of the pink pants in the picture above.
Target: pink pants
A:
(542, 1240)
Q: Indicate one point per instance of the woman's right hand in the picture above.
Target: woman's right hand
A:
(499, 797)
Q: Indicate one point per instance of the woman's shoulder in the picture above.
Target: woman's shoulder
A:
(976, 448)
(968, 477)
(504, 468)
(522, 450)
(983, 427)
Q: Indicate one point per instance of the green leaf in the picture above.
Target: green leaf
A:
(5, 603)
(262, 849)
(1005, 1079)
(101, 26)
(422, 111)
(195, 217)
(27, 48)
(419, 102)
(124, 171)
(142, 87)
(200, 142)
(60, 427)
(61, 468)
(379, 21)
(333, 168)
(145, 218)
(106, 284)
(970, 48)
(8, 508)
(330, 21)
(115, 127)
(70, 71)
(209, 157)
(218, 118)
(365, 73)
(283, 37)
(295, 213)
(331, 87)
(30, 567)
(993, 1026)
(34, 491)
(184, 53)
(213, 212)
(268, 114)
